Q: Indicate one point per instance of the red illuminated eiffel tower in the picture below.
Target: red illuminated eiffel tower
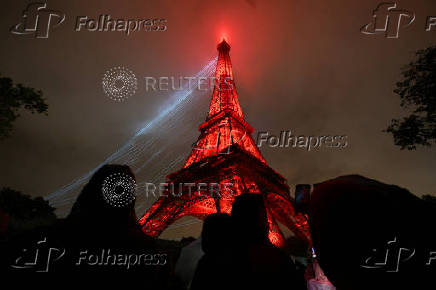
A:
(224, 157)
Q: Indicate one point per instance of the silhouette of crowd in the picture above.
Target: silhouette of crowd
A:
(359, 226)
(95, 237)
(349, 217)
(238, 253)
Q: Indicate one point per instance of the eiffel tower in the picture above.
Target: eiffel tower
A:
(225, 156)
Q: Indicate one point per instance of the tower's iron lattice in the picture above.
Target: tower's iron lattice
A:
(226, 155)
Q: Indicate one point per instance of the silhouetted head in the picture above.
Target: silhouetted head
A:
(216, 232)
(109, 194)
(250, 218)
(354, 221)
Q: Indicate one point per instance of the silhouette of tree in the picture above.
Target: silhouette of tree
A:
(14, 97)
(417, 92)
(22, 206)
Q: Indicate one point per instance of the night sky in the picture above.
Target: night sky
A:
(299, 65)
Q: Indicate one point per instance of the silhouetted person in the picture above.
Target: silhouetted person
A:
(103, 218)
(352, 219)
(100, 234)
(259, 263)
(104, 212)
(216, 242)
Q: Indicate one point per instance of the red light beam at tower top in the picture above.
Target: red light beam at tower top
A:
(224, 37)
